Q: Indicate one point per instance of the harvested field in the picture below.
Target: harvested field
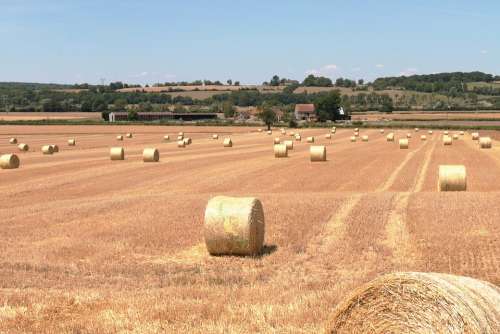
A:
(91, 245)
(36, 116)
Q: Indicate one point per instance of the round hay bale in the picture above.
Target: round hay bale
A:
(269, 132)
(55, 148)
(283, 132)
(452, 178)
(417, 129)
(150, 155)
(446, 133)
(180, 138)
(423, 137)
(462, 133)
(187, 141)
(23, 147)
(9, 161)
(228, 142)
(447, 140)
(382, 131)
(408, 135)
(455, 137)
(13, 140)
(181, 134)
(234, 226)
(411, 302)
(292, 134)
(328, 136)
(353, 139)
(390, 137)
(333, 131)
(72, 142)
(181, 143)
(215, 136)
(259, 130)
(310, 139)
(364, 138)
(356, 129)
(119, 138)
(117, 153)
(334, 128)
(128, 135)
(430, 132)
(298, 138)
(277, 140)
(317, 153)
(288, 144)
(403, 143)
(356, 134)
(475, 136)
(47, 149)
(166, 138)
(280, 151)
(485, 142)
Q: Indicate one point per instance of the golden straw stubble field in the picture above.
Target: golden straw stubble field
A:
(90, 245)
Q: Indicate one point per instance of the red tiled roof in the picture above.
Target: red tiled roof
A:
(304, 108)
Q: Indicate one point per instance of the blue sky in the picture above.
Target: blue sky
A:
(69, 41)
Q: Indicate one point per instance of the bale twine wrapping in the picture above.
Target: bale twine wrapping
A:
(475, 136)
(280, 151)
(228, 142)
(390, 137)
(447, 140)
(119, 137)
(298, 138)
(328, 136)
(317, 153)
(47, 149)
(452, 178)
(13, 140)
(72, 142)
(412, 302)
(403, 143)
(455, 136)
(128, 135)
(117, 153)
(485, 142)
(288, 144)
(234, 226)
(180, 143)
(215, 136)
(23, 147)
(9, 161)
(310, 139)
(166, 138)
(353, 139)
(364, 138)
(423, 137)
(150, 155)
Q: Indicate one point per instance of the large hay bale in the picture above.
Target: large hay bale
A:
(475, 136)
(166, 138)
(9, 161)
(181, 143)
(298, 137)
(364, 138)
(328, 136)
(119, 137)
(47, 149)
(353, 139)
(412, 302)
(317, 153)
(390, 137)
(23, 147)
(403, 143)
(280, 151)
(423, 137)
(234, 226)
(117, 153)
(129, 135)
(452, 178)
(215, 136)
(447, 140)
(485, 142)
(228, 142)
(310, 139)
(71, 142)
(277, 140)
(288, 144)
(13, 140)
(150, 155)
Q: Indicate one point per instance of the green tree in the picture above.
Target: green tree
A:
(132, 115)
(386, 104)
(120, 104)
(86, 106)
(327, 106)
(267, 115)
(228, 109)
(275, 81)
(229, 82)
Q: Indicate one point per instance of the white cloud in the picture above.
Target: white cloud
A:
(313, 72)
(324, 70)
(484, 52)
(330, 67)
(409, 71)
(379, 65)
(140, 75)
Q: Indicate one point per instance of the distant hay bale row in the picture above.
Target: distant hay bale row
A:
(452, 178)
(234, 226)
(412, 302)
(9, 161)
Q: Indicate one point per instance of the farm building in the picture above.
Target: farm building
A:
(156, 116)
(305, 112)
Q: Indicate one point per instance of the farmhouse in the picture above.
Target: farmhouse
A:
(305, 112)
(156, 116)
